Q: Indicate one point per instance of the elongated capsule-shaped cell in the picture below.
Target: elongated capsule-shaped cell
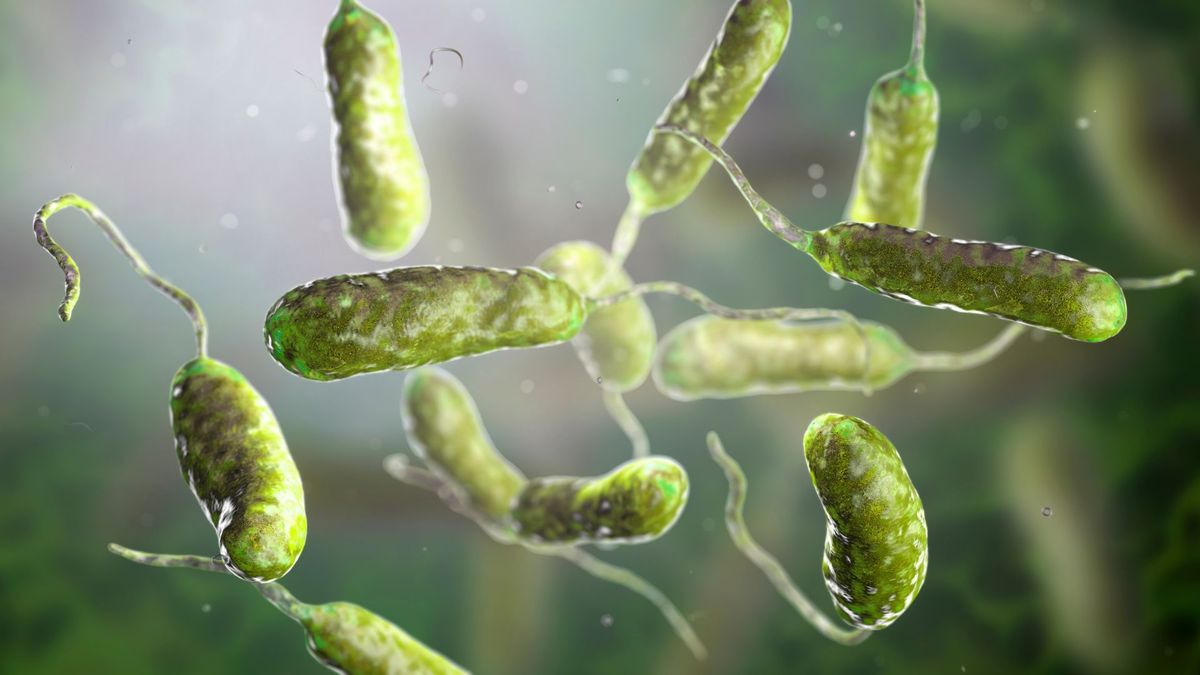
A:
(234, 458)
(899, 136)
(637, 501)
(616, 344)
(1018, 283)
(711, 103)
(351, 639)
(384, 188)
(398, 319)
(445, 431)
(876, 541)
(713, 357)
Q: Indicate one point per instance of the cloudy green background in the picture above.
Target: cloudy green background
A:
(145, 107)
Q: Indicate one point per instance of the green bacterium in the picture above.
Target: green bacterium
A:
(616, 344)
(399, 319)
(876, 540)
(231, 450)
(710, 103)
(1017, 283)
(384, 188)
(899, 136)
(637, 502)
(350, 324)
(711, 357)
(342, 636)
(444, 429)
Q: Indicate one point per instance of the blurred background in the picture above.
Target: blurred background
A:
(203, 130)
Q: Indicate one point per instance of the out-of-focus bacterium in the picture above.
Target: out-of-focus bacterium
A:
(1018, 283)
(711, 357)
(352, 324)
(342, 636)
(384, 188)
(231, 450)
(899, 136)
(710, 103)
(445, 431)
(875, 540)
(616, 344)
(638, 501)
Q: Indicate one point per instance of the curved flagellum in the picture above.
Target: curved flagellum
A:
(398, 319)
(384, 188)
(637, 501)
(71, 270)
(876, 540)
(235, 460)
(770, 566)
(344, 637)
(1017, 283)
(445, 430)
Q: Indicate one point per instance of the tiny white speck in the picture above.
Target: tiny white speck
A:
(306, 133)
(117, 60)
(606, 620)
(853, 133)
(551, 189)
(578, 205)
(836, 283)
(919, 388)
(449, 99)
(455, 245)
(251, 111)
(618, 76)
(526, 386)
(816, 171)
(1083, 123)
(1047, 511)
(206, 608)
(520, 86)
(835, 29)
(229, 221)
(818, 190)
(478, 15)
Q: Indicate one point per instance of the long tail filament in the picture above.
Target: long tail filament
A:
(71, 270)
